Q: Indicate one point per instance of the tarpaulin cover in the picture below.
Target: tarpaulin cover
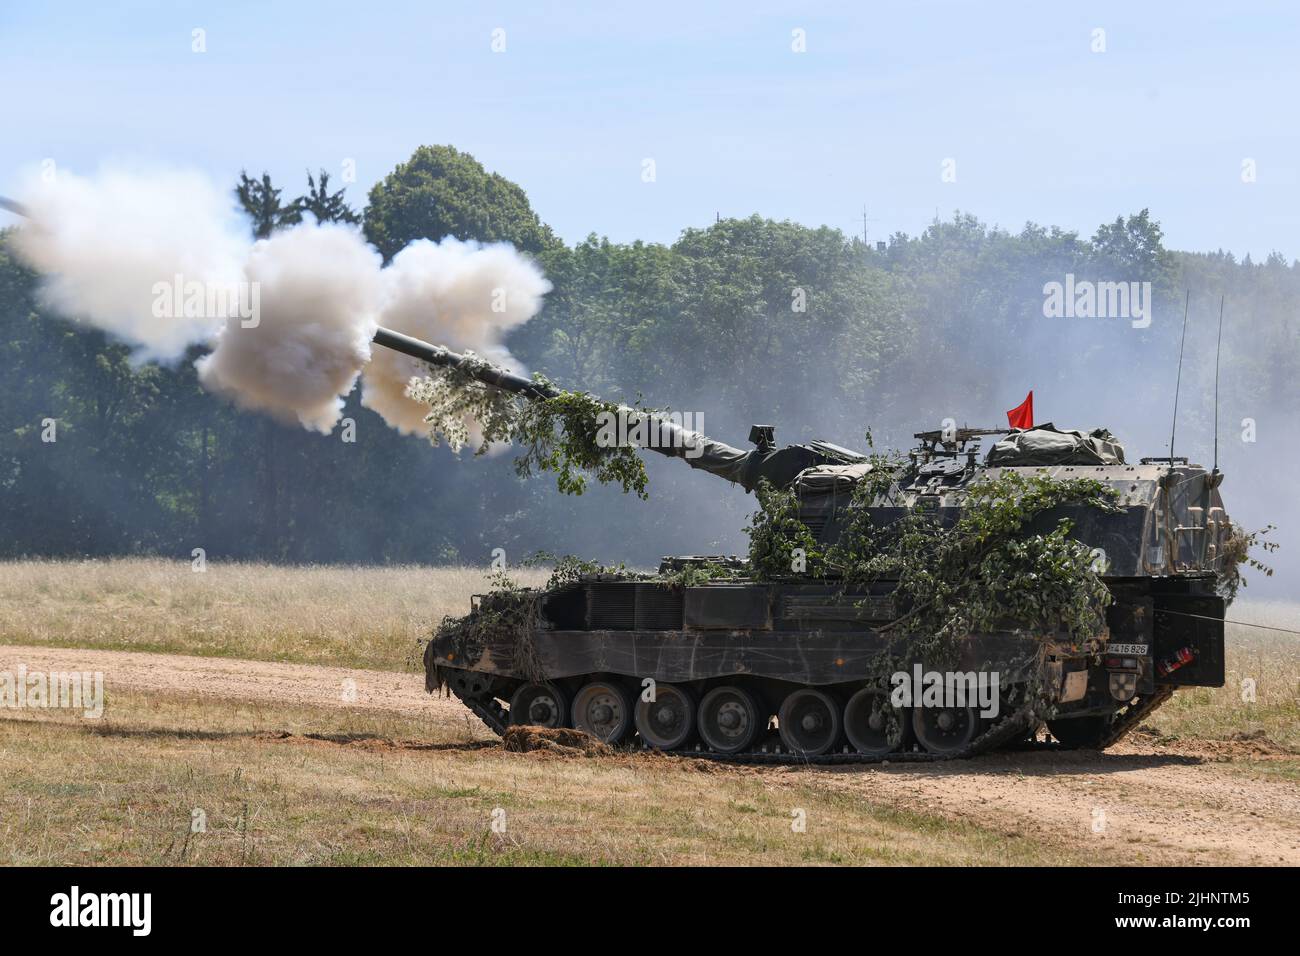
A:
(1049, 445)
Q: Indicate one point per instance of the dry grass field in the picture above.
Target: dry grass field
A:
(1270, 659)
(284, 771)
(302, 785)
(354, 617)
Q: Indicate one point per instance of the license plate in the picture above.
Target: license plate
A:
(1132, 650)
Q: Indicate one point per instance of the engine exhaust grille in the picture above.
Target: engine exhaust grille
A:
(620, 606)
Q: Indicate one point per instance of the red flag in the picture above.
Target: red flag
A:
(1022, 416)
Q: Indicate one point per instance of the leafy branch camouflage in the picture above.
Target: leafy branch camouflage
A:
(779, 542)
(510, 608)
(984, 572)
(696, 574)
(456, 398)
(507, 608)
(559, 434)
(1236, 552)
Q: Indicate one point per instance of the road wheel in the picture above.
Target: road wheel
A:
(944, 730)
(873, 725)
(604, 710)
(668, 721)
(809, 721)
(729, 719)
(539, 705)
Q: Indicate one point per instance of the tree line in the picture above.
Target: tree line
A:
(746, 321)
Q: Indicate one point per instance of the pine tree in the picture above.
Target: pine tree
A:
(324, 205)
(261, 201)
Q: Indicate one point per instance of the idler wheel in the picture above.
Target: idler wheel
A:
(604, 710)
(730, 719)
(668, 721)
(539, 705)
(942, 730)
(469, 685)
(809, 722)
(873, 725)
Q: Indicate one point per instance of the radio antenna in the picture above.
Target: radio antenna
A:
(1179, 381)
(1218, 346)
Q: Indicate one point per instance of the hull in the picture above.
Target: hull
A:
(798, 661)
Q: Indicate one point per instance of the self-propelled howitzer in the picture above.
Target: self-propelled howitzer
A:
(749, 667)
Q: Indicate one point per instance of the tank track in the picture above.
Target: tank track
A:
(1133, 714)
(1005, 731)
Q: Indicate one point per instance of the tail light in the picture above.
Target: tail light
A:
(1181, 658)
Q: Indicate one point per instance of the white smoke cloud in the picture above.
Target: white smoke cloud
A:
(103, 245)
(115, 247)
(319, 287)
(457, 294)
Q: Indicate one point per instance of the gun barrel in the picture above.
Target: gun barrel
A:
(14, 207)
(435, 355)
(666, 437)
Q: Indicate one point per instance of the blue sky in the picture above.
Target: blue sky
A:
(1040, 127)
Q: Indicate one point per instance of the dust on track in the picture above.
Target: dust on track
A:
(1143, 801)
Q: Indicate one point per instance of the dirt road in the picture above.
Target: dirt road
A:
(304, 684)
(1136, 803)
(1142, 802)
